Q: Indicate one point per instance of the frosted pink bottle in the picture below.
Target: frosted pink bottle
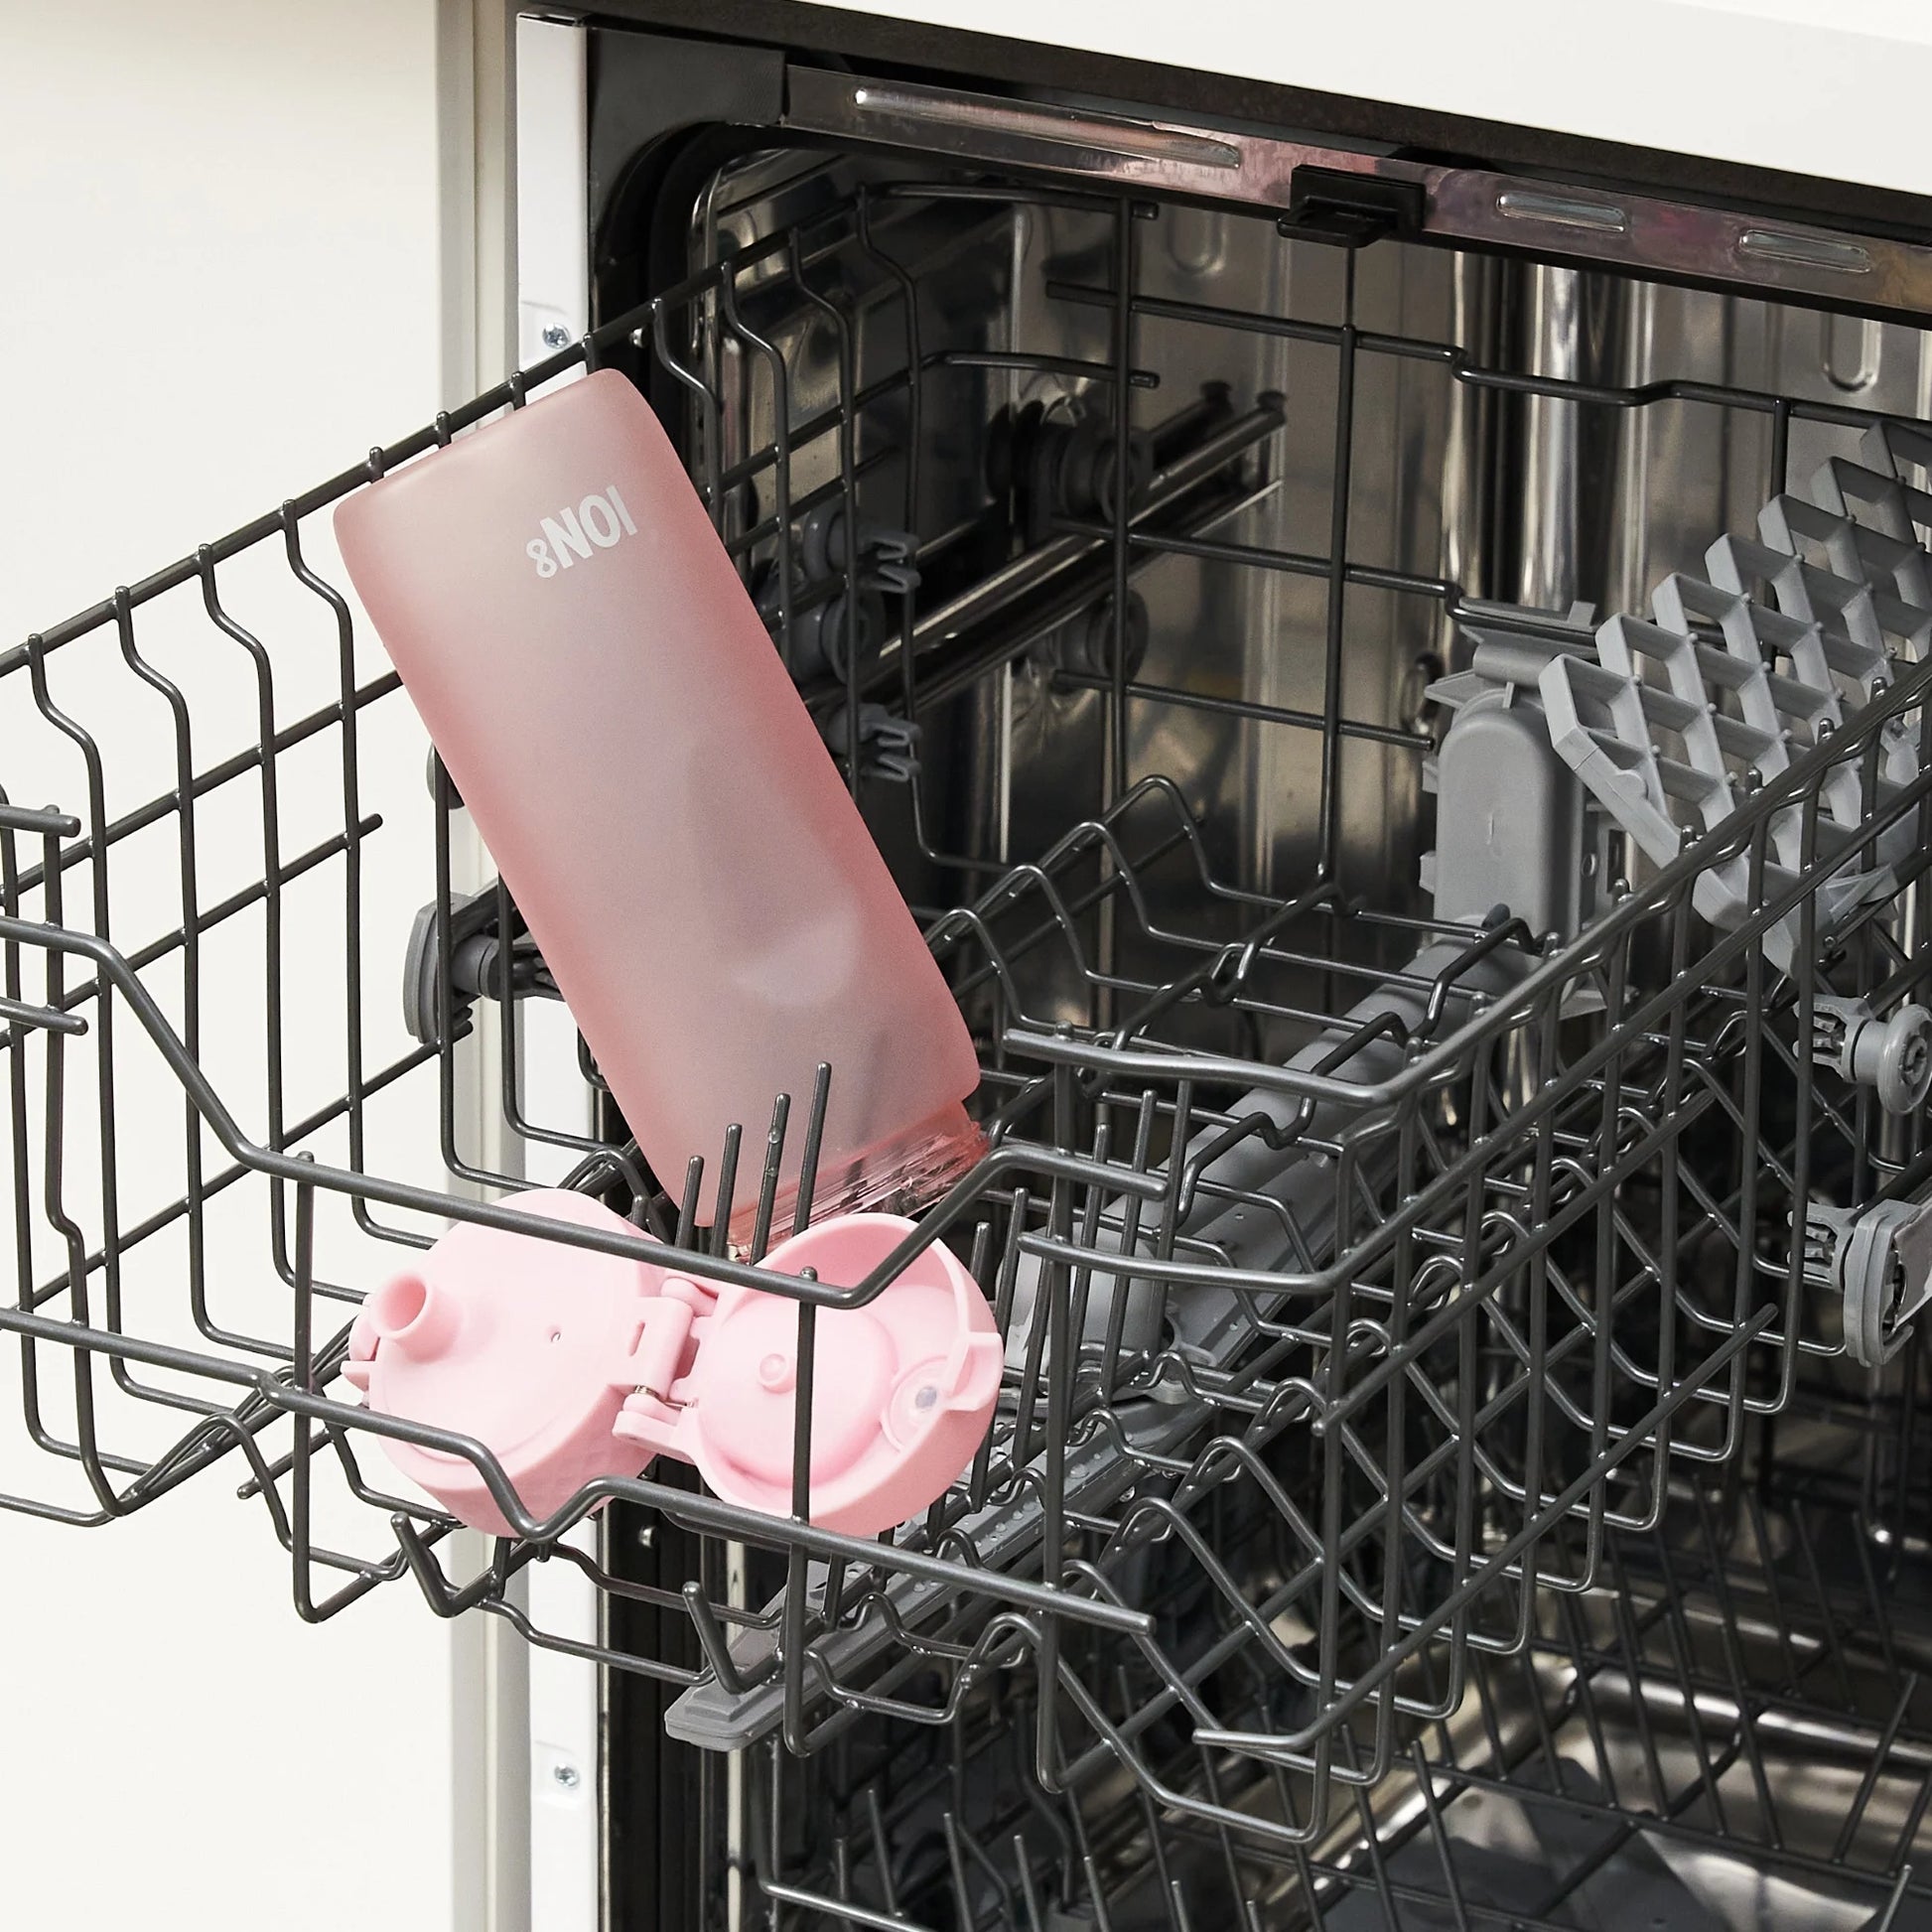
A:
(650, 785)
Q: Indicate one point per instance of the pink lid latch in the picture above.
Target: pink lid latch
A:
(902, 1389)
(570, 1365)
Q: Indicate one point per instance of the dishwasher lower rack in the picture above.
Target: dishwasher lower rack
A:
(1728, 1733)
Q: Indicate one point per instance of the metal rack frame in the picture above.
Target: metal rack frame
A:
(1516, 1189)
(1729, 1712)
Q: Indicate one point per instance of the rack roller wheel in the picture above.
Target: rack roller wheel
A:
(1893, 1056)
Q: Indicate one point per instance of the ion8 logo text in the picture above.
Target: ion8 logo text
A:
(599, 522)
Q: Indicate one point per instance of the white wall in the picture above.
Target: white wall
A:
(219, 244)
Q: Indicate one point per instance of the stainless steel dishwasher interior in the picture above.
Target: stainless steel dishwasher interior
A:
(1529, 499)
(1609, 1777)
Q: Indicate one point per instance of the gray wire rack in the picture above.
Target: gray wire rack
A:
(1366, 1279)
(1729, 1731)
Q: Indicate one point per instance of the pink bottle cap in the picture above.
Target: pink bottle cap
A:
(520, 1342)
(570, 1365)
(902, 1389)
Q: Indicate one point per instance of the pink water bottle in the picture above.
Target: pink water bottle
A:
(654, 790)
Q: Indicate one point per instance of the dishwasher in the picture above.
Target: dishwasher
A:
(1393, 681)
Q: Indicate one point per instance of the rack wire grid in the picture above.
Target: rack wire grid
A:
(1523, 1206)
(1729, 1731)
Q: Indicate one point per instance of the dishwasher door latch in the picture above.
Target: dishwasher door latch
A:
(1880, 1259)
(1339, 206)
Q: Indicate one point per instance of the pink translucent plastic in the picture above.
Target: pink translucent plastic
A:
(517, 1343)
(902, 1389)
(620, 726)
(569, 1365)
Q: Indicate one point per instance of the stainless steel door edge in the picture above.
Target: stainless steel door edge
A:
(1460, 204)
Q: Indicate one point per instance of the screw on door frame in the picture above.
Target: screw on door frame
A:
(567, 1775)
(556, 335)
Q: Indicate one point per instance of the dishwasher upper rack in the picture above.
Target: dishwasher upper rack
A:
(1052, 1150)
(1412, 1433)
(1091, 1445)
